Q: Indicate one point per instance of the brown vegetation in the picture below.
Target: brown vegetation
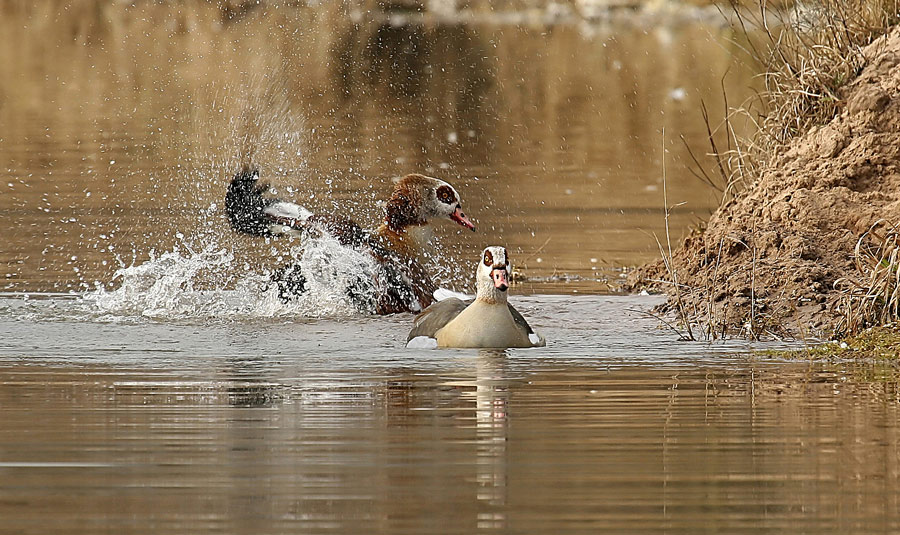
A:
(804, 241)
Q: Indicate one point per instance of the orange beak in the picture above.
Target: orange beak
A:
(461, 218)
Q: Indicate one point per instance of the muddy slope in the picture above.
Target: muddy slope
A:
(773, 255)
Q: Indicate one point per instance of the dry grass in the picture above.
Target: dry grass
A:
(874, 298)
(684, 316)
(816, 50)
(807, 52)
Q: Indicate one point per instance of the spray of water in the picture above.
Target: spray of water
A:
(201, 276)
(186, 285)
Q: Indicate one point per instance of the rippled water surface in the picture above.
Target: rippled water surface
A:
(332, 426)
(151, 383)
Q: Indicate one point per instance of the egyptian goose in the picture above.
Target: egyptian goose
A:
(402, 282)
(488, 321)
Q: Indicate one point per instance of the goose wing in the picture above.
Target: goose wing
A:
(435, 317)
(250, 212)
(535, 338)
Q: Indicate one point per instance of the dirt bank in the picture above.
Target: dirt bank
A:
(773, 255)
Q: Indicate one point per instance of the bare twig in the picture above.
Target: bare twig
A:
(702, 175)
(679, 303)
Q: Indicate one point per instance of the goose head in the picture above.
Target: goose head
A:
(492, 275)
(418, 199)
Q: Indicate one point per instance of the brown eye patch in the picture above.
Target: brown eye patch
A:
(488, 259)
(445, 195)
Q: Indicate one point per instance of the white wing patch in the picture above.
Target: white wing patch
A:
(443, 293)
(289, 210)
(422, 342)
(536, 340)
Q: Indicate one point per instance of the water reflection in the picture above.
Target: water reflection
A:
(394, 59)
(486, 447)
(491, 405)
(252, 383)
(433, 79)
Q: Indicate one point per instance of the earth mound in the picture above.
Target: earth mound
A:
(777, 256)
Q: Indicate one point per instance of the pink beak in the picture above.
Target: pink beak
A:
(501, 278)
(461, 218)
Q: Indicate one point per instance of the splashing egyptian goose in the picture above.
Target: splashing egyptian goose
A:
(417, 200)
(488, 321)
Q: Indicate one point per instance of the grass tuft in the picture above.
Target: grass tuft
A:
(875, 344)
(873, 297)
(807, 53)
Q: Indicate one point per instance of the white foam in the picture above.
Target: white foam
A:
(163, 286)
(210, 285)
(332, 270)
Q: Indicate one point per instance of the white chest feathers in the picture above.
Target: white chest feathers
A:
(483, 325)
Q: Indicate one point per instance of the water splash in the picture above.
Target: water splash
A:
(204, 276)
(189, 285)
(164, 286)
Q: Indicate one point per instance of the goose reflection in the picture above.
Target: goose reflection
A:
(492, 427)
(251, 383)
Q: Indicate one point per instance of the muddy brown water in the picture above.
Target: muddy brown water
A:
(286, 426)
(121, 132)
(145, 386)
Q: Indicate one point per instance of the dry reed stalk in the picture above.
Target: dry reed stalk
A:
(753, 322)
(683, 315)
(874, 298)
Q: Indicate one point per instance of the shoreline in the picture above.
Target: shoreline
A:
(808, 248)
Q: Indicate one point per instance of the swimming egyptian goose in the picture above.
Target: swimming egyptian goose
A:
(403, 283)
(488, 321)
